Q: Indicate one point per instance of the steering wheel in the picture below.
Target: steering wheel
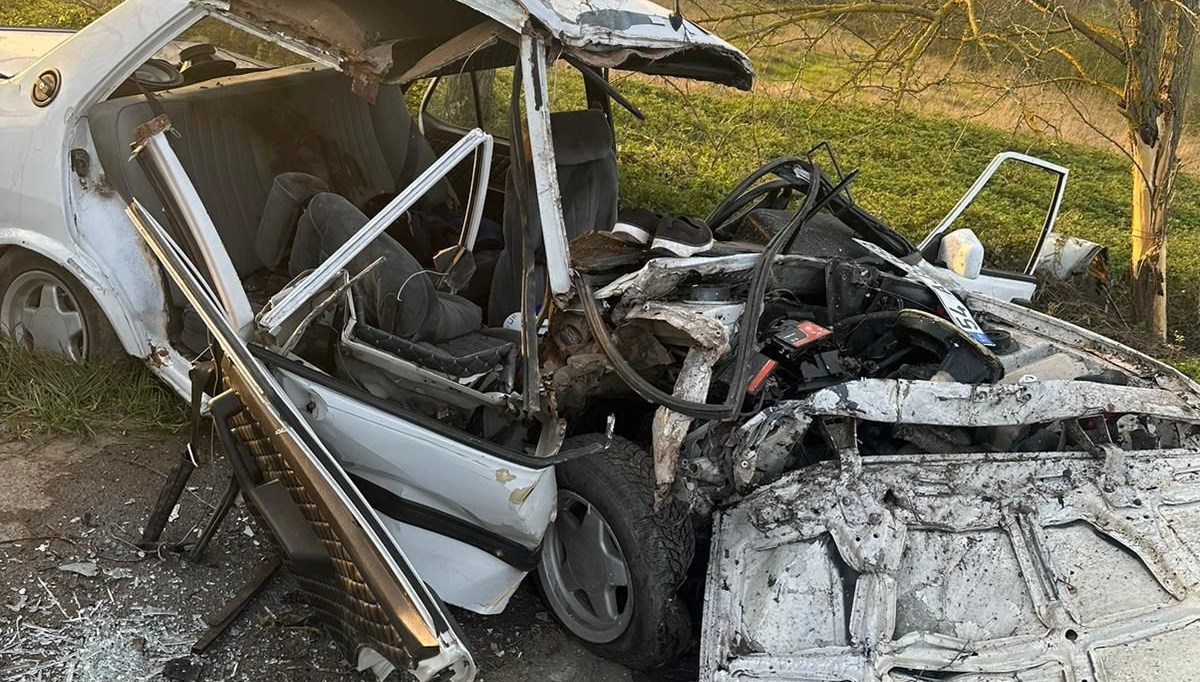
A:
(156, 75)
(791, 177)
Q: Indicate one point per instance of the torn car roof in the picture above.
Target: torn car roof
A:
(382, 40)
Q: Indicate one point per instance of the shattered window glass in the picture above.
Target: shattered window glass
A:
(453, 100)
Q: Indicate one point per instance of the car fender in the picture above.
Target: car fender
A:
(149, 345)
(111, 299)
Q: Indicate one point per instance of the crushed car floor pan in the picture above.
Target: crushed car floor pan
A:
(1049, 566)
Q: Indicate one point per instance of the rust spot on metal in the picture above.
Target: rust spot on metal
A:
(518, 496)
(158, 356)
(143, 133)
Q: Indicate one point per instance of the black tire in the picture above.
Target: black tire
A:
(102, 342)
(658, 547)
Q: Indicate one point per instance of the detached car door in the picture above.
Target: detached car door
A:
(352, 571)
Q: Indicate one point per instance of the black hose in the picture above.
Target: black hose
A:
(732, 406)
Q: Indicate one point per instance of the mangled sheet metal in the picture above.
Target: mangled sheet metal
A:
(640, 35)
(383, 40)
(1014, 566)
(1034, 529)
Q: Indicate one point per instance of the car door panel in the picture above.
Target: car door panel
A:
(995, 282)
(470, 521)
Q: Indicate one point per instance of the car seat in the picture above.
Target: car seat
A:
(401, 337)
(586, 160)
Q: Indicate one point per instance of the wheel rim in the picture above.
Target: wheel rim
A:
(40, 312)
(584, 572)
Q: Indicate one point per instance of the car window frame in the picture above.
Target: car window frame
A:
(944, 227)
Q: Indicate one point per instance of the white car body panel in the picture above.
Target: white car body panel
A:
(361, 564)
(963, 567)
(430, 469)
(21, 47)
(46, 208)
(1077, 565)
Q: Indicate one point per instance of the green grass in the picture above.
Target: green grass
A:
(1190, 367)
(47, 13)
(42, 394)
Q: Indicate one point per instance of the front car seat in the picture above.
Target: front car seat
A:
(399, 296)
(403, 339)
(587, 179)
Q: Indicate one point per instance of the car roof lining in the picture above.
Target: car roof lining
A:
(487, 45)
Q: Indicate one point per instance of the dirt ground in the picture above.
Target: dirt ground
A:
(80, 602)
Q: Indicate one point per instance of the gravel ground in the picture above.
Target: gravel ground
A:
(79, 601)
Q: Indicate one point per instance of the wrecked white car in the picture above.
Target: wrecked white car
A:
(440, 359)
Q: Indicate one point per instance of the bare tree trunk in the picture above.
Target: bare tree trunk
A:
(1158, 71)
(1149, 235)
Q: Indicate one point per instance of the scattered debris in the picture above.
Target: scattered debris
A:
(87, 569)
(118, 573)
(181, 670)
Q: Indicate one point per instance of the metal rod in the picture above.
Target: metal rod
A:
(220, 621)
(545, 172)
(214, 521)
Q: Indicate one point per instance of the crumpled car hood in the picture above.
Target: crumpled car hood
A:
(1078, 562)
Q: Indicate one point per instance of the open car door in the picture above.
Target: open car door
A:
(1005, 285)
(353, 573)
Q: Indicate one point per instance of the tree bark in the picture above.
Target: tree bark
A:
(1149, 237)
(1158, 71)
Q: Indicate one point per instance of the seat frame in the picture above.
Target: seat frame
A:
(422, 380)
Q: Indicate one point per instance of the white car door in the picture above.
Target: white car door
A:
(1001, 284)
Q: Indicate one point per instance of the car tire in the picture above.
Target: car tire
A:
(43, 307)
(650, 627)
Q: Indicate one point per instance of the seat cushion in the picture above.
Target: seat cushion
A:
(285, 205)
(397, 296)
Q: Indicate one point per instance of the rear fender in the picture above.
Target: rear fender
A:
(141, 327)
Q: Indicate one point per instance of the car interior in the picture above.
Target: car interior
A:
(290, 163)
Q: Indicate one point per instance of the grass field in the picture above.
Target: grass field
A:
(46, 394)
(699, 141)
(47, 13)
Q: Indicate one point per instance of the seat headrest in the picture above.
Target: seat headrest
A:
(581, 137)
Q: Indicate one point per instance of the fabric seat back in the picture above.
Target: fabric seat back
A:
(238, 133)
(586, 160)
(399, 296)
